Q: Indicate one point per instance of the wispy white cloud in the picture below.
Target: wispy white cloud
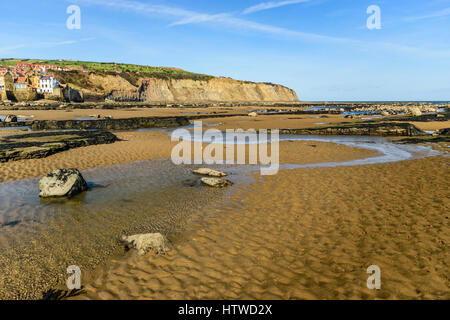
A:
(192, 17)
(438, 14)
(11, 48)
(140, 8)
(271, 5)
(199, 18)
(63, 42)
(43, 44)
(57, 43)
(185, 17)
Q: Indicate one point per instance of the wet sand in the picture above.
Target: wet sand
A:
(306, 233)
(148, 145)
(244, 122)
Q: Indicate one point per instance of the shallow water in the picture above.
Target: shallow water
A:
(358, 113)
(40, 238)
(387, 149)
(3, 117)
(86, 119)
(16, 128)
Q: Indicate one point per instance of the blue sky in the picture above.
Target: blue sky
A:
(320, 48)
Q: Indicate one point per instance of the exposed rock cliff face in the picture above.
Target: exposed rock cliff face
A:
(214, 90)
(72, 95)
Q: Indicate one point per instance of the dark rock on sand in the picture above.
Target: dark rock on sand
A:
(145, 242)
(44, 144)
(62, 183)
(104, 124)
(444, 132)
(216, 182)
(361, 129)
(444, 116)
(210, 172)
(10, 118)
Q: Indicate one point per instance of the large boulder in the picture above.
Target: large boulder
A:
(415, 111)
(145, 242)
(11, 118)
(216, 182)
(62, 183)
(444, 132)
(210, 172)
(72, 95)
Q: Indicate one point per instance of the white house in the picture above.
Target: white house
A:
(3, 72)
(47, 84)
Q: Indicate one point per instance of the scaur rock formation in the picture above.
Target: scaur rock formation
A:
(10, 118)
(216, 182)
(210, 172)
(62, 183)
(145, 242)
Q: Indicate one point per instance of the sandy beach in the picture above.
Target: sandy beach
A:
(225, 157)
(305, 233)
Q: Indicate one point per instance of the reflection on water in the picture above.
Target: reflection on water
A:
(86, 118)
(388, 150)
(40, 238)
(16, 128)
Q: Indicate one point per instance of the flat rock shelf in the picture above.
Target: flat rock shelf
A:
(103, 124)
(362, 129)
(44, 144)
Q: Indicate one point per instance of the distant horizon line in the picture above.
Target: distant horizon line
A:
(365, 101)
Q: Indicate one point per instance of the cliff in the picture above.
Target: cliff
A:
(97, 81)
(134, 87)
(187, 90)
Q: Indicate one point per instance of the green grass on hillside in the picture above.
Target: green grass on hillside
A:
(110, 67)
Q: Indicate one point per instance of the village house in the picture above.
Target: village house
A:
(6, 84)
(26, 81)
(3, 72)
(21, 83)
(47, 84)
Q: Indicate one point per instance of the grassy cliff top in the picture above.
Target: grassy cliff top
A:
(109, 67)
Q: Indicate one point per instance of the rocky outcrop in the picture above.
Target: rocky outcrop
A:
(10, 118)
(62, 183)
(444, 132)
(44, 144)
(104, 124)
(216, 182)
(145, 242)
(213, 90)
(72, 95)
(361, 129)
(444, 116)
(415, 111)
(210, 172)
